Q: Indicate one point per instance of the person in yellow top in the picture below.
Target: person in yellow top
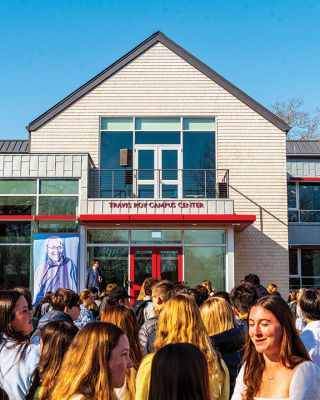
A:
(180, 322)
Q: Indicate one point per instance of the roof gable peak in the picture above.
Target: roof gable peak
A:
(156, 37)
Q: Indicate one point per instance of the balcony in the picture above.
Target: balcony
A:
(166, 191)
(159, 184)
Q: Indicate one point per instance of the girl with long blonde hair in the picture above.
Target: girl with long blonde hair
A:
(96, 363)
(126, 320)
(217, 315)
(227, 336)
(180, 322)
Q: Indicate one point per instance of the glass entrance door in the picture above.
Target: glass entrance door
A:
(157, 262)
(158, 171)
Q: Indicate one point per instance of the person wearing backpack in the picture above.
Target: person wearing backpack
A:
(161, 292)
(143, 306)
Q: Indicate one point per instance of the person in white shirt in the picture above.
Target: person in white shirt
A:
(276, 364)
(310, 307)
(18, 358)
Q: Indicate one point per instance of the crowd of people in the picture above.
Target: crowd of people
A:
(174, 342)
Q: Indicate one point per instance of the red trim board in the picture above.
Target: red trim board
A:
(304, 179)
(242, 220)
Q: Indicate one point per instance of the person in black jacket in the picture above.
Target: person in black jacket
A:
(255, 281)
(242, 297)
(226, 335)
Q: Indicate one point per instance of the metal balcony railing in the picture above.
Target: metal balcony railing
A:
(159, 184)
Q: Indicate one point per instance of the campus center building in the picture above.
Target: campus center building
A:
(162, 167)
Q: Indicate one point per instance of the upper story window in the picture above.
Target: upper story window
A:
(159, 148)
(304, 201)
(304, 268)
(39, 196)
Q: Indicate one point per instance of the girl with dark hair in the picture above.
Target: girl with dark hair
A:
(179, 372)
(18, 358)
(276, 363)
(97, 362)
(126, 320)
(55, 339)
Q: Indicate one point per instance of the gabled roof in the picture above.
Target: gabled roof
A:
(303, 148)
(136, 52)
(14, 146)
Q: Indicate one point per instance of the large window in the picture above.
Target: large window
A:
(15, 254)
(204, 253)
(304, 202)
(304, 267)
(39, 196)
(113, 263)
(205, 263)
(160, 147)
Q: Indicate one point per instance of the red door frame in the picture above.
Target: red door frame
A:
(156, 260)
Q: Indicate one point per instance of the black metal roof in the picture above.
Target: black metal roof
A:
(136, 52)
(14, 146)
(303, 148)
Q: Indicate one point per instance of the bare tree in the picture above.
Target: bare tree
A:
(304, 125)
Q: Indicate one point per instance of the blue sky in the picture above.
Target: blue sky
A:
(269, 49)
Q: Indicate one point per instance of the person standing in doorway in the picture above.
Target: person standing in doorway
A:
(94, 275)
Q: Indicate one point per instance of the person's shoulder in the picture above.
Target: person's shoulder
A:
(308, 370)
(33, 351)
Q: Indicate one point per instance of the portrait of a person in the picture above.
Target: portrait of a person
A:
(57, 270)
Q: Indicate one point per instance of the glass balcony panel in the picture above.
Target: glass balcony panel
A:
(146, 191)
(169, 191)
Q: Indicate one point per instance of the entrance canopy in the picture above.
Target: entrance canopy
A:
(240, 222)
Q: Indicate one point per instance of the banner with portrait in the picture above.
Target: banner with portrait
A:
(55, 263)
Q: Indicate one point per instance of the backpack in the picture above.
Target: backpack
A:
(138, 308)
